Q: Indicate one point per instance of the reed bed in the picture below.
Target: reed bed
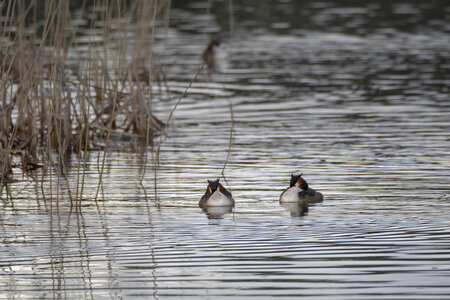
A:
(71, 79)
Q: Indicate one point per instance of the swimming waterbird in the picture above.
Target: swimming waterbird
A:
(299, 190)
(216, 195)
(214, 57)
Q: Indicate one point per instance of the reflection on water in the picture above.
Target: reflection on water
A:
(297, 209)
(217, 212)
(361, 108)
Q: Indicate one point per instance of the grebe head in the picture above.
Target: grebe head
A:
(215, 43)
(298, 181)
(213, 185)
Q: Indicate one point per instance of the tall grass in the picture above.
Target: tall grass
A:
(72, 78)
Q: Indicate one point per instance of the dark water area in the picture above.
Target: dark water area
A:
(355, 94)
(352, 17)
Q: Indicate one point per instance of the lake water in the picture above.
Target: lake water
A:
(356, 97)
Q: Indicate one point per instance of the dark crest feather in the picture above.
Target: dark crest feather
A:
(294, 179)
(213, 184)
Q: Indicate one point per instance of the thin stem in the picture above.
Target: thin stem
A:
(230, 141)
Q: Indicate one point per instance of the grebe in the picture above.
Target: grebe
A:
(214, 57)
(216, 195)
(300, 191)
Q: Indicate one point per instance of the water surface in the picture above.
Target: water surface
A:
(360, 107)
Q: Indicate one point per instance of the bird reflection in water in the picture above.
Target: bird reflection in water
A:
(217, 212)
(217, 200)
(297, 209)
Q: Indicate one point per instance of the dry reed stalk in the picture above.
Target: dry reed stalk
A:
(49, 112)
(149, 95)
(172, 111)
(111, 120)
(230, 141)
(163, 131)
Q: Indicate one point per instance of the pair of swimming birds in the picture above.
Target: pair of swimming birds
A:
(216, 194)
(298, 191)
